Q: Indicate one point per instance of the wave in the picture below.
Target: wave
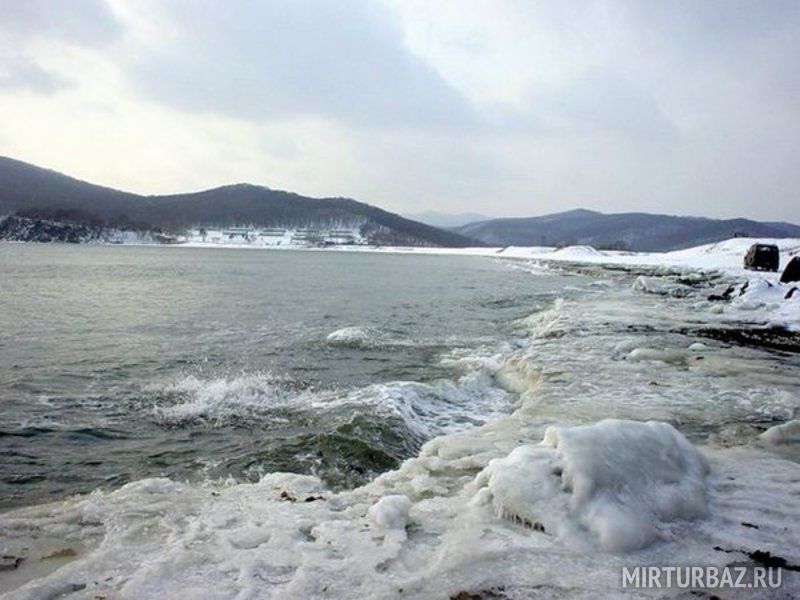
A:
(192, 399)
(357, 337)
(426, 409)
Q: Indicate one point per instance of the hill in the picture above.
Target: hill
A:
(32, 191)
(630, 231)
(446, 220)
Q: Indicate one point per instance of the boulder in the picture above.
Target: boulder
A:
(792, 271)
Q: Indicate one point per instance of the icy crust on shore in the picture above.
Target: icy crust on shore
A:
(625, 482)
(426, 530)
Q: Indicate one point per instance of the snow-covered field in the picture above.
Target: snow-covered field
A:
(592, 472)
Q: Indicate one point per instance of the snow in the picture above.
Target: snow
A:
(390, 512)
(786, 433)
(625, 496)
(622, 481)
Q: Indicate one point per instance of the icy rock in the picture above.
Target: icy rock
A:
(620, 482)
(390, 512)
(660, 287)
(655, 354)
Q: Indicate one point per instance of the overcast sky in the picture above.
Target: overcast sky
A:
(501, 107)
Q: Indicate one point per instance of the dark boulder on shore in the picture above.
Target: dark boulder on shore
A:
(792, 271)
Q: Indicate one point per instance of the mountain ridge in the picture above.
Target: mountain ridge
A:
(636, 231)
(28, 188)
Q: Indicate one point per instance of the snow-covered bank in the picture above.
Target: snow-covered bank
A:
(427, 530)
(726, 256)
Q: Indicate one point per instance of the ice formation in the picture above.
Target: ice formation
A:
(623, 481)
(390, 512)
(786, 433)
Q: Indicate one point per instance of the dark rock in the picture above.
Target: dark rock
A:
(744, 288)
(770, 560)
(771, 338)
(724, 296)
(792, 271)
(790, 293)
(762, 557)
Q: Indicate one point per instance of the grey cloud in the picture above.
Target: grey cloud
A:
(86, 22)
(24, 74)
(342, 59)
(599, 100)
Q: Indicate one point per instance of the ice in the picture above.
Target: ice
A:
(659, 286)
(390, 512)
(288, 537)
(767, 299)
(573, 252)
(623, 481)
(786, 433)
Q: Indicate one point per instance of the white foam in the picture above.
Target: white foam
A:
(355, 337)
(217, 399)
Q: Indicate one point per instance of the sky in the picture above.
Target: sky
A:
(501, 107)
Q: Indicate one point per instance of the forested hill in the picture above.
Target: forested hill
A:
(35, 192)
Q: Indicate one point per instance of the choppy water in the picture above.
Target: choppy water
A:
(118, 363)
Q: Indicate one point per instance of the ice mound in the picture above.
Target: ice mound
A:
(355, 337)
(390, 512)
(623, 482)
(661, 286)
(768, 302)
(577, 251)
(786, 433)
(656, 354)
